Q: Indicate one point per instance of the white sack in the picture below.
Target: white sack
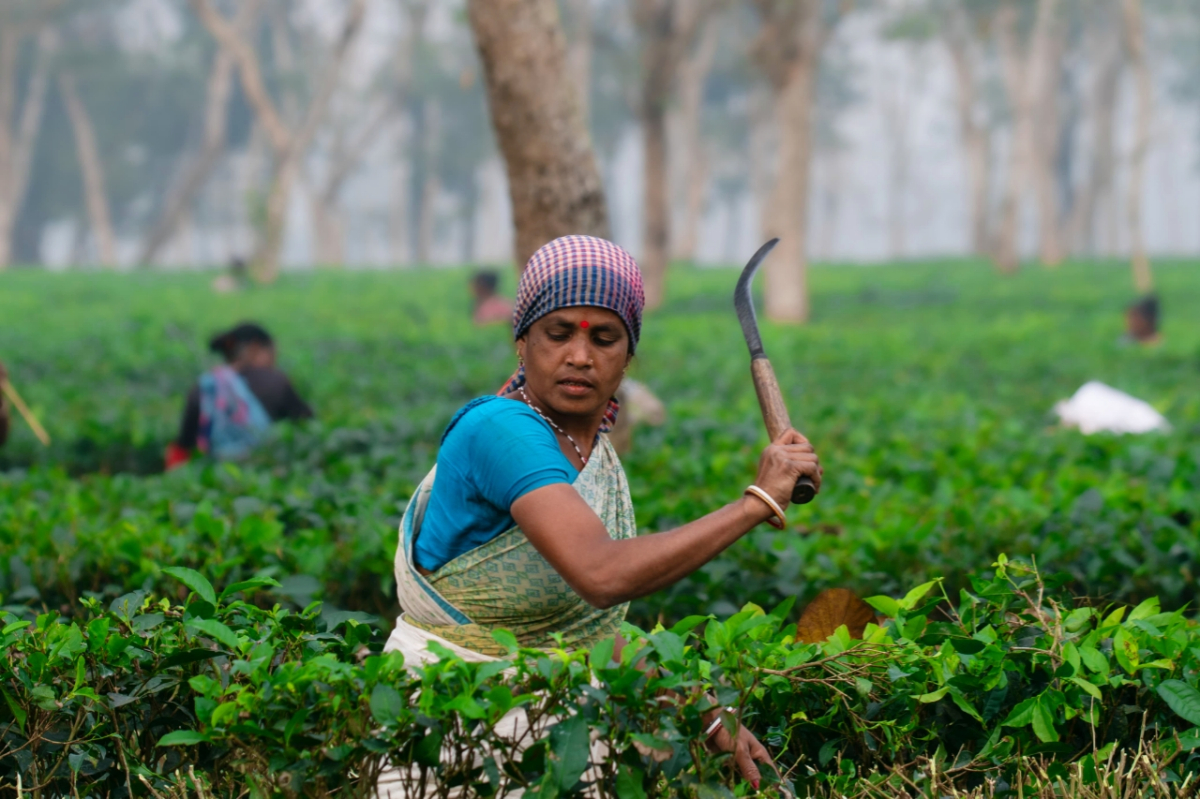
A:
(1099, 408)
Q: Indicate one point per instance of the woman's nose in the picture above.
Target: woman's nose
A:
(579, 353)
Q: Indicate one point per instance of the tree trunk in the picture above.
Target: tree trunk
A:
(1046, 127)
(289, 146)
(579, 55)
(399, 238)
(328, 232)
(216, 120)
(1007, 255)
(896, 103)
(470, 209)
(656, 205)
(976, 142)
(787, 272)
(691, 159)
(1135, 43)
(17, 147)
(327, 216)
(791, 39)
(284, 57)
(400, 235)
(266, 260)
(91, 168)
(1102, 165)
(656, 27)
(431, 185)
(1025, 81)
(553, 180)
(666, 29)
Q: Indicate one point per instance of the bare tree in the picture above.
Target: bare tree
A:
(19, 131)
(689, 161)
(1026, 70)
(579, 56)
(200, 166)
(667, 29)
(553, 180)
(1047, 131)
(896, 104)
(347, 151)
(288, 145)
(431, 185)
(91, 170)
(1135, 44)
(1108, 58)
(975, 133)
(400, 234)
(792, 36)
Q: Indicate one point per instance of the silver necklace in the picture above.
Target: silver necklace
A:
(550, 422)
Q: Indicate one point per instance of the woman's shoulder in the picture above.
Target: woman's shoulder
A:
(491, 411)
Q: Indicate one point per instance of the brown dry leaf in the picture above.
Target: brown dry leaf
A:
(831, 609)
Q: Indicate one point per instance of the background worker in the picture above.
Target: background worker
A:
(232, 405)
(490, 307)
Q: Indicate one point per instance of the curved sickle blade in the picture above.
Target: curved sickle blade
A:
(743, 301)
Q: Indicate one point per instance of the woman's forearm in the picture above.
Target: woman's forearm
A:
(568, 534)
(637, 567)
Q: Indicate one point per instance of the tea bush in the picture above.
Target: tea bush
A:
(926, 389)
(228, 696)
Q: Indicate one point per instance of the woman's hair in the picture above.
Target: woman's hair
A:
(1148, 307)
(486, 280)
(228, 344)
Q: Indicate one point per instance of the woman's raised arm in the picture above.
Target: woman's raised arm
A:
(569, 535)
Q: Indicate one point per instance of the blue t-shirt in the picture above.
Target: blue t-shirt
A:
(494, 451)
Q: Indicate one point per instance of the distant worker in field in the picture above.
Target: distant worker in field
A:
(231, 407)
(235, 278)
(1141, 320)
(490, 307)
(529, 525)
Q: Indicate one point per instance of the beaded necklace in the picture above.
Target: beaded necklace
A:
(550, 422)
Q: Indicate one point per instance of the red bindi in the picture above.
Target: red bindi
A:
(583, 324)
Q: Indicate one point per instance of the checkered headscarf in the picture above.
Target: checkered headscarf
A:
(579, 270)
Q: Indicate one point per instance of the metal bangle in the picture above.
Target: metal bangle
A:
(717, 723)
(779, 520)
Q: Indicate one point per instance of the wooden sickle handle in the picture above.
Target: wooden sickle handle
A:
(775, 414)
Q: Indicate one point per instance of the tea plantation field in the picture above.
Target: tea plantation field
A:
(927, 389)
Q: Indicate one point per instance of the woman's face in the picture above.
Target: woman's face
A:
(256, 355)
(575, 359)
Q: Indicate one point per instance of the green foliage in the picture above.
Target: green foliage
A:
(925, 389)
(279, 701)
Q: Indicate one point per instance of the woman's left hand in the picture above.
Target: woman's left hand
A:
(746, 749)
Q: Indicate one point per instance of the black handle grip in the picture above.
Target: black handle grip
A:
(804, 492)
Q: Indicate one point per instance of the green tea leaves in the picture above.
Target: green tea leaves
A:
(1182, 698)
(193, 580)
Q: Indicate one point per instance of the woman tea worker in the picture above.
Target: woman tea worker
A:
(231, 407)
(526, 522)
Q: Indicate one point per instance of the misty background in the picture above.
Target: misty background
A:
(402, 167)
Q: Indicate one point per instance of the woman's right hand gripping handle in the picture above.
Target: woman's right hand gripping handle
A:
(785, 460)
